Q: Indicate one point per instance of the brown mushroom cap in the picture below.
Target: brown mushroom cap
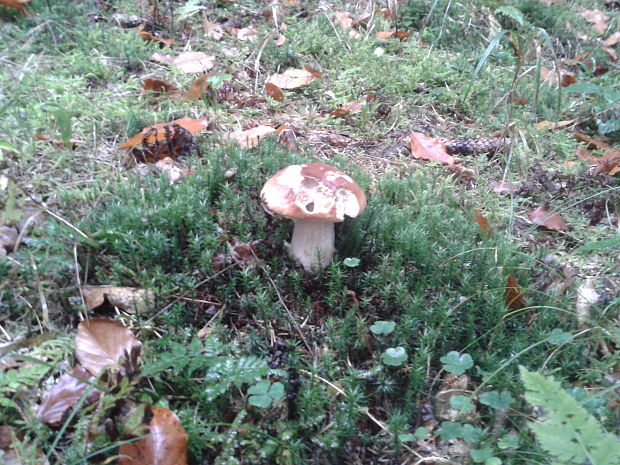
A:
(313, 191)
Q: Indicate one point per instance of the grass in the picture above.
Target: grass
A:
(424, 264)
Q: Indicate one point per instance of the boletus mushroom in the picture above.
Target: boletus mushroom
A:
(315, 196)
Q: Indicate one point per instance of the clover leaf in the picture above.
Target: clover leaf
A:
(497, 400)
(394, 356)
(383, 327)
(263, 393)
(456, 363)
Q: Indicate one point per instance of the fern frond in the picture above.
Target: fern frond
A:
(566, 430)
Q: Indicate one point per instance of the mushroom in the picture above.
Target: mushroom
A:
(316, 196)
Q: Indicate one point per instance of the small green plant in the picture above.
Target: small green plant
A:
(383, 327)
(263, 393)
(394, 356)
(456, 363)
(566, 430)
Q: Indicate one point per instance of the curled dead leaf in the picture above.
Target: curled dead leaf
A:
(60, 399)
(101, 342)
(555, 124)
(545, 217)
(158, 87)
(483, 223)
(166, 443)
(148, 36)
(128, 299)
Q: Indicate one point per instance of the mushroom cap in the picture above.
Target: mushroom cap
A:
(313, 191)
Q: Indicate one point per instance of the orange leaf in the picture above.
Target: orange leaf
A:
(165, 445)
(18, 5)
(547, 218)
(158, 87)
(482, 222)
(198, 87)
(428, 148)
(147, 36)
(554, 124)
(274, 92)
(568, 79)
(515, 299)
(158, 131)
(384, 34)
(315, 72)
(101, 342)
(592, 142)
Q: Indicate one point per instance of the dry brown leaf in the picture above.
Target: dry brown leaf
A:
(292, 78)
(212, 30)
(194, 62)
(165, 445)
(612, 39)
(518, 99)
(554, 124)
(147, 36)
(427, 148)
(482, 222)
(343, 18)
(158, 87)
(592, 143)
(198, 87)
(129, 299)
(597, 18)
(383, 35)
(274, 92)
(568, 79)
(157, 132)
(315, 72)
(247, 34)
(161, 58)
(101, 342)
(251, 137)
(607, 164)
(65, 394)
(18, 5)
(515, 298)
(545, 217)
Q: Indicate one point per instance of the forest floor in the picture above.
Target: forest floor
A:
(135, 138)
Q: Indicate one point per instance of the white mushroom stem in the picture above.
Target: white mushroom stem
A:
(312, 244)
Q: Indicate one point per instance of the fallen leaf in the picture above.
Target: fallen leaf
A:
(147, 36)
(101, 342)
(194, 62)
(8, 238)
(280, 40)
(315, 72)
(515, 298)
(198, 87)
(547, 218)
(129, 299)
(247, 34)
(427, 148)
(65, 394)
(593, 143)
(384, 35)
(343, 18)
(518, 99)
(18, 5)
(158, 87)
(607, 164)
(161, 58)
(292, 78)
(482, 222)
(212, 30)
(157, 132)
(555, 124)
(274, 92)
(597, 18)
(612, 39)
(165, 445)
(251, 137)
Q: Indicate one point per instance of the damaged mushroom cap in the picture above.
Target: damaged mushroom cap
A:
(313, 191)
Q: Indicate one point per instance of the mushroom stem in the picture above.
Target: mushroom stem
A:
(312, 244)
